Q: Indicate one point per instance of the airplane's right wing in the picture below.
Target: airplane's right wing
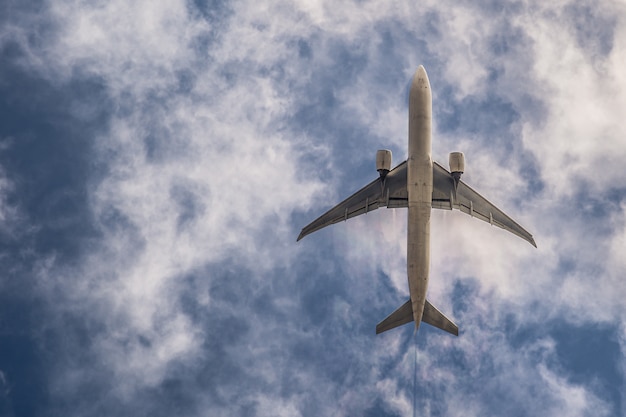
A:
(390, 193)
(467, 200)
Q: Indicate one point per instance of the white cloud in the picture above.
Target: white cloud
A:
(221, 145)
(582, 139)
(211, 175)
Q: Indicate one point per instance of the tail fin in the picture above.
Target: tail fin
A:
(401, 316)
(435, 318)
(404, 315)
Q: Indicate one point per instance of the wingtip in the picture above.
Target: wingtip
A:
(300, 236)
(532, 242)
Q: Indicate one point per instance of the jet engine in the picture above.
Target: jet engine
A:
(383, 162)
(457, 166)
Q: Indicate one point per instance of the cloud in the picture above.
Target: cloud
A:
(193, 178)
(221, 129)
(9, 213)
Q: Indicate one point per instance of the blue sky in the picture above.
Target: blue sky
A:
(159, 158)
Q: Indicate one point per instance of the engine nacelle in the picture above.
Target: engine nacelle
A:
(457, 162)
(383, 162)
(457, 165)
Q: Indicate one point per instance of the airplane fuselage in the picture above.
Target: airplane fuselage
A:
(420, 191)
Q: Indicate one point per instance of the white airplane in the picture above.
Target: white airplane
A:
(419, 184)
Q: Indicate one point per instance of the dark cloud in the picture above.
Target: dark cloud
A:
(49, 160)
(594, 26)
(49, 156)
(587, 355)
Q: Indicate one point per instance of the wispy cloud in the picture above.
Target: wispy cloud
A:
(220, 129)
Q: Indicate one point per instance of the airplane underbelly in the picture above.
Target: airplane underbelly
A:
(418, 258)
(418, 238)
(420, 191)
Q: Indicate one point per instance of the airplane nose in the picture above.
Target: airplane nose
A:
(420, 77)
(420, 80)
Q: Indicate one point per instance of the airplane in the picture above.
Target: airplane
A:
(419, 184)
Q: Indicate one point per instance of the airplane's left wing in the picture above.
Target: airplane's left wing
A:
(388, 193)
(467, 200)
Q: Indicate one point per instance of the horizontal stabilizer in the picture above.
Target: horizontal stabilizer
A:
(435, 318)
(401, 316)
(404, 315)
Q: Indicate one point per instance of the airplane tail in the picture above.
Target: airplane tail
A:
(404, 315)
